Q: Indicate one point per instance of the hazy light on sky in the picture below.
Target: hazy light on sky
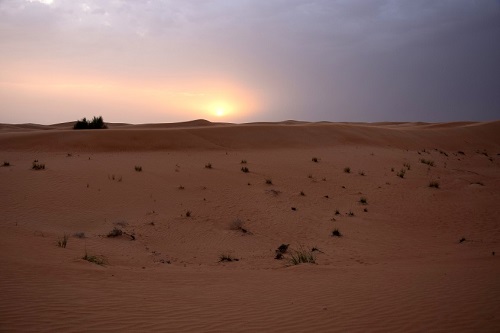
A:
(249, 60)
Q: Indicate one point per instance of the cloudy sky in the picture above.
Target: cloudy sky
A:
(249, 60)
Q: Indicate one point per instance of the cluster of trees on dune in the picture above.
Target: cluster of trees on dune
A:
(95, 123)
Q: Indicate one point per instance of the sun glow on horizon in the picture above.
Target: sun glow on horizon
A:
(210, 99)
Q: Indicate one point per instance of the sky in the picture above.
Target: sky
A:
(241, 61)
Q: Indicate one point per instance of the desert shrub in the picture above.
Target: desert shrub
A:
(351, 213)
(336, 233)
(302, 256)
(79, 234)
(302, 193)
(227, 258)
(407, 166)
(208, 166)
(181, 187)
(361, 172)
(63, 241)
(38, 166)
(269, 181)
(6, 164)
(428, 162)
(238, 224)
(243, 162)
(434, 184)
(315, 159)
(188, 213)
(337, 212)
(115, 232)
(95, 123)
(245, 169)
(363, 201)
(94, 259)
(347, 170)
(138, 168)
(282, 248)
(401, 173)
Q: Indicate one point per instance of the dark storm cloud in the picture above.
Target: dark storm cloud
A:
(340, 60)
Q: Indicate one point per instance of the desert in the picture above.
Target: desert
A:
(256, 227)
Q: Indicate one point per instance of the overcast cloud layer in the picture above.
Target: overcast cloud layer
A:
(337, 60)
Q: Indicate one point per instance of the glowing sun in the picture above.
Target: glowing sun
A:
(219, 112)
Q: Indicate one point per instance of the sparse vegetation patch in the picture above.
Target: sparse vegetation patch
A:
(238, 224)
(434, 184)
(94, 259)
(38, 166)
(428, 162)
(302, 256)
(401, 173)
(227, 258)
(336, 233)
(63, 241)
(115, 233)
(347, 170)
(95, 123)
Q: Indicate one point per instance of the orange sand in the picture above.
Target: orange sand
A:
(398, 267)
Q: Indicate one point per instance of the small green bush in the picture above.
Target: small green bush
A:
(95, 123)
(428, 162)
(336, 233)
(63, 241)
(227, 258)
(115, 232)
(38, 166)
(302, 256)
(94, 259)
(434, 184)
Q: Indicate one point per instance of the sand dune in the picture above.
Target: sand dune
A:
(204, 135)
(411, 258)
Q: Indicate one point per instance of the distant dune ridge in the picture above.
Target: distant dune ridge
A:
(205, 227)
(202, 134)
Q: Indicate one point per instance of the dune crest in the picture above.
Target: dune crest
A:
(201, 134)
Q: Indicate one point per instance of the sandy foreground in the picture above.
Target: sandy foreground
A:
(399, 265)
